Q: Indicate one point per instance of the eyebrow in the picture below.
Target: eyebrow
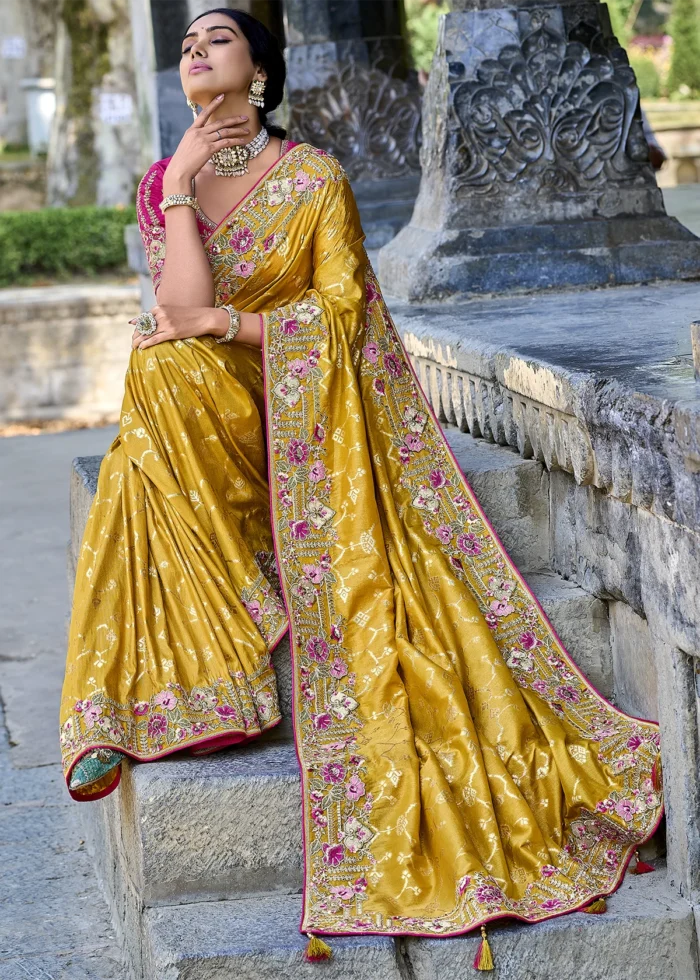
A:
(219, 27)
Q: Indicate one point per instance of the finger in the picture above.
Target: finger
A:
(207, 111)
(231, 132)
(155, 338)
(227, 122)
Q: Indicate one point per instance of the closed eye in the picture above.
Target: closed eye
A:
(217, 40)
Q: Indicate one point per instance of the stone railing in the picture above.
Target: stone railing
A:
(65, 351)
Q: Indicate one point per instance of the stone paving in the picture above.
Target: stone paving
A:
(54, 924)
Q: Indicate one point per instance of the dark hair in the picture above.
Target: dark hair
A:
(264, 51)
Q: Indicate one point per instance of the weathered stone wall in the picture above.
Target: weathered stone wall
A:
(65, 351)
(624, 478)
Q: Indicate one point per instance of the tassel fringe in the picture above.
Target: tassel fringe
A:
(483, 959)
(640, 867)
(597, 907)
(657, 779)
(317, 950)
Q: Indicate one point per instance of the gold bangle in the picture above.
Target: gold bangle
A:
(173, 199)
(234, 325)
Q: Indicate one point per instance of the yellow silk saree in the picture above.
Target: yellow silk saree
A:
(456, 766)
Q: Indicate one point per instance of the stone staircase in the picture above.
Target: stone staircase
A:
(201, 861)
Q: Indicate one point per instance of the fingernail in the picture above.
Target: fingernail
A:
(133, 321)
(244, 118)
(220, 96)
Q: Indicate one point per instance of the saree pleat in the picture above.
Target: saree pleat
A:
(456, 765)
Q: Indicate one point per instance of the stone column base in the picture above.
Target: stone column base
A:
(422, 265)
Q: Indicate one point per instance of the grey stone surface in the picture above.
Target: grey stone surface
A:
(634, 667)
(254, 939)
(53, 921)
(647, 933)
(581, 621)
(595, 541)
(513, 492)
(34, 599)
(65, 351)
(695, 343)
(221, 826)
(679, 703)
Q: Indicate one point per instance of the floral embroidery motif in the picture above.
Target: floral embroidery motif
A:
(174, 717)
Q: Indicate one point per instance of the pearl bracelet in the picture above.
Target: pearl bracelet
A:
(234, 325)
(172, 199)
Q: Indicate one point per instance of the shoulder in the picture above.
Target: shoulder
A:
(324, 161)
(149, 193)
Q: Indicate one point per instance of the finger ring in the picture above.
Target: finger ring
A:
(219, 134)
(146, 324)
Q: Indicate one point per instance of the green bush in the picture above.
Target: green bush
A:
(56, 241)
(648, 79)
(685, 60)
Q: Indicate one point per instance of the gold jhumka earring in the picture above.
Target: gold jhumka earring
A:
(256, 93)
(193, 107)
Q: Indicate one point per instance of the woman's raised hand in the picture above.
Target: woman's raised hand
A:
(199, 142)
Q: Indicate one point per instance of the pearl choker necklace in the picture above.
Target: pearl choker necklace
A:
(232, 161)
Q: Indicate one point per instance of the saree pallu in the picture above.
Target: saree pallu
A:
(456, 765)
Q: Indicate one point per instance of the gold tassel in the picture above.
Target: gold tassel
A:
(317, 950)
(657, 779)
(483, 959)
(597, 907)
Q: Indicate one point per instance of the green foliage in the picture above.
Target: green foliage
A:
(648, 78)
(619, 12)
(62, 240)
(422, 21)
(685, 61)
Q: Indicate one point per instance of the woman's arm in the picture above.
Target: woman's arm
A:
(186, 276)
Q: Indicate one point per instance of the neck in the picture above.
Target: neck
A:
(237, 104)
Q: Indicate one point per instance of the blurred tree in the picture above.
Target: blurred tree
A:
(422, 19)
(685, 61)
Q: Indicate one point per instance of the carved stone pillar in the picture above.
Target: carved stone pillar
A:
(535, 166)
(351, 92)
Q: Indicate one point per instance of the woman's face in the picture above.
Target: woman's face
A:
(216, 45)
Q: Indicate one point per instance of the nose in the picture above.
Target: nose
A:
(197, 49)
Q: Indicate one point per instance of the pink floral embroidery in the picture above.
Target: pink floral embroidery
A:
(333, 772)
(166, 699)
(242, 240)
(317, 649)
(244, 269)
(333, 853)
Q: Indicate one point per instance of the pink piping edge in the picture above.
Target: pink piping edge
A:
(245, 737)
(292, 637)
(292, 647)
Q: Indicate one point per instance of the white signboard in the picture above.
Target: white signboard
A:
(13, 48)
(115, 107)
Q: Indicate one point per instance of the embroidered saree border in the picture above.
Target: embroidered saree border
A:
(340, 869)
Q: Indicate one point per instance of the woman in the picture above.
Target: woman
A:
(456, 765)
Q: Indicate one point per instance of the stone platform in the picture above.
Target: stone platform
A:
(201, 858)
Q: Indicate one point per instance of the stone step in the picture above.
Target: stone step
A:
(194, 829)
(513, 493)
(647, 933)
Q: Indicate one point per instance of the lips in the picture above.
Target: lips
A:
(199, 66)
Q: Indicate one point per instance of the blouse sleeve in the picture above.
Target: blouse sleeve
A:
(150, 220)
